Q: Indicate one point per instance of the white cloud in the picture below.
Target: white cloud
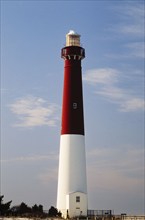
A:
(112, 93)
(107, 87)
(34, 111)
(103, 76)
(132, 104)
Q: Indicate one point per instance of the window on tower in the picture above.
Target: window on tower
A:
(77, 198)
(75, 105)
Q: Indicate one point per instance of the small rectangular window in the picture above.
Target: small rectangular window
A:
(77, 198)
(75, 105)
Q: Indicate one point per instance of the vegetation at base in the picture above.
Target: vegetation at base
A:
(4, 207)
(23, 210)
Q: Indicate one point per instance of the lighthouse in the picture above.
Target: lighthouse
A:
(72, 183)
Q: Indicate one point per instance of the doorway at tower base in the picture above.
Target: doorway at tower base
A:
(76, 205)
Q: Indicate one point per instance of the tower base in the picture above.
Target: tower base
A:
(72, 185)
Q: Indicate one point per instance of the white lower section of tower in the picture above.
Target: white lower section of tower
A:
(72, 183)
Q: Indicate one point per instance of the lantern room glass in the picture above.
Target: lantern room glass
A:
(72, 39)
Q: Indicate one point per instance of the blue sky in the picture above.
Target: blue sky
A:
(32, 35)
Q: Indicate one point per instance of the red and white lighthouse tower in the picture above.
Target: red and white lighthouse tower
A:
(72, 183)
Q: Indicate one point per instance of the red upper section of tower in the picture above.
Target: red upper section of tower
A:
(72, 109)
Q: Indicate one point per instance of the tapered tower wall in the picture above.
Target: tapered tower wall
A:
(72, 184)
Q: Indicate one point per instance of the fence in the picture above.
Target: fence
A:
(100, 213)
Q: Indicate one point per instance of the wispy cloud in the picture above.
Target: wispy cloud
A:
(134, 50)
(34, 111)
(3, 90)
(102, 76)
(137, 49)
(130, 27)
(132, 16)
(116, 169)
(31, 158)
(105, 82)
(48, 175)
(132, 104)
